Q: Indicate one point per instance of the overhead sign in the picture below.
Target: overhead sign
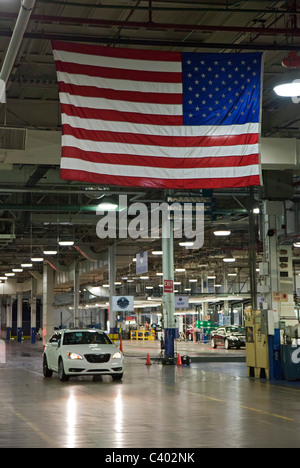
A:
(168, 286)
(123, 303)
(141, 263)
(2, 92)
(181, 302)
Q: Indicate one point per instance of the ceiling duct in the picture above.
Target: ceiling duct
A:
(13, 138)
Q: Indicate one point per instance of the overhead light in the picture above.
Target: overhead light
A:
(193, 280)
(144, 277)
(222, 231)
(157, 252)
(180, 270)
(186, 244)
(211, 277)
(17, 270)
(296, 244)
(26, 265)
(9, 274)
(289, 89)
(232, 274)
(229, 259)
(49, 251)
(159, 274)
(3, 277)
(256, 210)
(66, 243)
(290, 83)
(108, 204)
(37, 259)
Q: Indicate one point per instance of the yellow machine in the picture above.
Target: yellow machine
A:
(257, 348)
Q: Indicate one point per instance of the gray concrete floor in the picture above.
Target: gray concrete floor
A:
(206, 404)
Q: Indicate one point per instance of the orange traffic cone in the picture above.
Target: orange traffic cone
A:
(148, 362)
(179, 362)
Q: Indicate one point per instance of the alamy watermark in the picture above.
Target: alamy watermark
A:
(159, 220)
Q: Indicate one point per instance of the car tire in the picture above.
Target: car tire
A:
(213, 344)
(46, 371)
(117, 376)
(227, 344)
(61, 372)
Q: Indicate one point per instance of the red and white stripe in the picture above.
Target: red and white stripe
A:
(122, 122)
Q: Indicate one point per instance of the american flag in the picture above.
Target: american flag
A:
(159, 119)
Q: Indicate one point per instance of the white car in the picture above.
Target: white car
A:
(82, 352)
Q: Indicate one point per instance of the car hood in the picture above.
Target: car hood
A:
(92, 349)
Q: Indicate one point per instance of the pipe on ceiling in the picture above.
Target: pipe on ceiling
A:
(186, 8)
(16, 38)
(263, 31)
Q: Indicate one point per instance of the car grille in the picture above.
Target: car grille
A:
(97, 358)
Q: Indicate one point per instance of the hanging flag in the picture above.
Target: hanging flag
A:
(159, 119)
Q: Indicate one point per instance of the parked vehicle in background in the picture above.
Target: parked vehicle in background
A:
(82, 352)
(229, 337)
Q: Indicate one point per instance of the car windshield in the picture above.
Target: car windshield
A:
(235, 330)
(85, 337)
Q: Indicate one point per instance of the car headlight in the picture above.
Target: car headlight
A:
(74, 356)
(117, 355)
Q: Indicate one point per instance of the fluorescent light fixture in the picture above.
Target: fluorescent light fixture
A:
(159, 274)
(228, 259)
(66, 243)
(296, 244)
(222, 231)
(49, 251)
(232, 274)
(144, 277)
(193, 280)
(105, 285)
(291, 89)
(26, 265)
(106, 206)
(211, 277)
(3, 277)
(149, 287)
(256, 210)
(180, 270)
(9, 274)
(37, 259)
(17, 270)
(186, 244)
(157, 252)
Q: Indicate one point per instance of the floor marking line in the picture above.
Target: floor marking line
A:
(245, 407)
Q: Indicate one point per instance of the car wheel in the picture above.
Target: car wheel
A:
(46, 371)
(117, 376)
(227, 345)
(61, 372)
(213, 343)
